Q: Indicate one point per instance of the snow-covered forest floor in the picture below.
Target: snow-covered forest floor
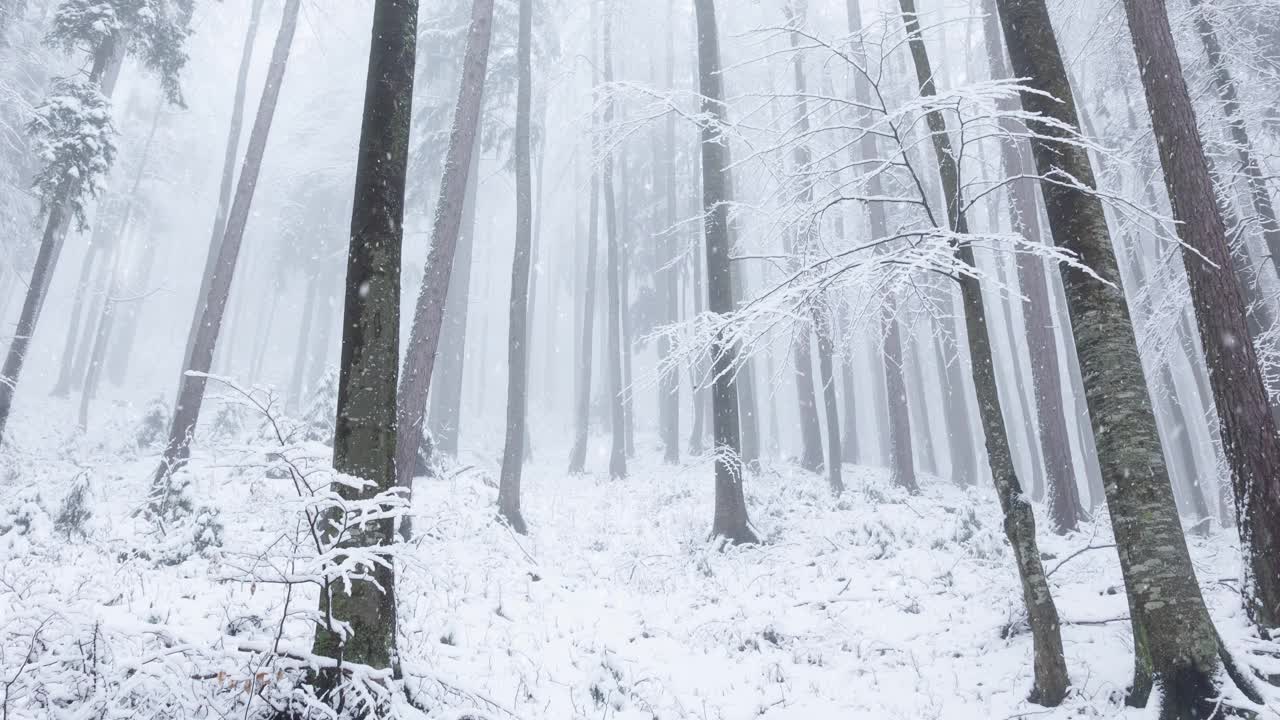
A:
(873, 605)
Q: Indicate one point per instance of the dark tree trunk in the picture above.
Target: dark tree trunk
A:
(229, 161)
(1174, 638)
(897, 435)
(518, 333)
(365, 436)
(211, 308)
(445, 416)
(424, 338)
(1050, 668)
(730, 521)
(107, 59)
(1246, 424)
(613, 306)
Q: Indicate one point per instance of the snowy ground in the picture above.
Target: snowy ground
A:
(874, 605)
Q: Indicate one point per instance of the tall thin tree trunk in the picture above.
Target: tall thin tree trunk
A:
(424, 337)
(107, 59)
(210, 309)
(517, 355)
(445, 416)
(358, 617)
(1174, 639)
(1248, 430)
(230, 157)
(730, 520)
(613, 305)
(1050, 668)
(624, 225)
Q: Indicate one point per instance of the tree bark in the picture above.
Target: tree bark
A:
(424, 337)
(1248, 430)
(211, 309)
(107, 59)
(730, 520)
(1159, 579)
(365, 437)
(1050, 669)
(518, 333)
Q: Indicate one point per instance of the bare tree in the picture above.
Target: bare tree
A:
(613, 270)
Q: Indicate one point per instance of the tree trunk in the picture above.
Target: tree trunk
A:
(107, 59)
(212, 307)
(964, 461)
(1050, 668)
(424, 338)
(365, 437)
(613, 306)
(926, 455)
(445, 416)
(1244, 413)
(826, 370)
(1154, 561)
(229, 161)
(730, 520)
(518, 334)
(697, 372)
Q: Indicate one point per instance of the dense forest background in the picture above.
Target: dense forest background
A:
(534, 358)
